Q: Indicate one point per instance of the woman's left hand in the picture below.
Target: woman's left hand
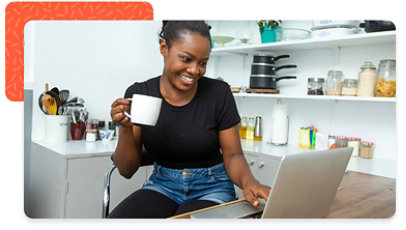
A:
(254, 190)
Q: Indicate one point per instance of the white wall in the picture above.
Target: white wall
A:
(95, 60)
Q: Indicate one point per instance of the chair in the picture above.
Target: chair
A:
(146, 160)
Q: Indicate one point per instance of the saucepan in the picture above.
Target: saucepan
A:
(269, 59)
(267, 69)
(263, 81)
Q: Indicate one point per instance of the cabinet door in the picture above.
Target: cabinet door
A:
(263, 167)
(85, 181)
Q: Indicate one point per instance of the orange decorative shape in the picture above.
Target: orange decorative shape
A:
(19, 13)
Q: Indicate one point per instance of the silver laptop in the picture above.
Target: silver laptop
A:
(304, 187)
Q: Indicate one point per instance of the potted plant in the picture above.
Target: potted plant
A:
(266, 28)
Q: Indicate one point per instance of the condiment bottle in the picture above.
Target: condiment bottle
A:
(243, 128)
(250, 128)
(367, 80)
(334, 82)
(366, 149)
(386, 83)
(258, 129)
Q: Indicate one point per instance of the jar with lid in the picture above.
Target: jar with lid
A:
(341, 142)
(354, 142)
(386, 83)
(350, 87)
(334, 82)
(366, 149)
(315, 86)
(367, 80)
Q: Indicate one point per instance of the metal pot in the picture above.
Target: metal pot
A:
(268, 58)
(267, 69)
(264, 81)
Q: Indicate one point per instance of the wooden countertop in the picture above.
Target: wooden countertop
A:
(360, 195)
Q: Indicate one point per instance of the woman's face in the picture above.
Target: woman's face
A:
(185, 61)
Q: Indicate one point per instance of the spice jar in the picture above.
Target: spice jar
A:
(334, 82)
(331, 142)
(350, 87)
(315, 86)
(367, 80)
(91, 135)
(366, 149)
(354, 142)
(341, 142)
(386, 83)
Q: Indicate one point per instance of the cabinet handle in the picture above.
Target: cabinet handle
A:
(261, 164)
(252, 162)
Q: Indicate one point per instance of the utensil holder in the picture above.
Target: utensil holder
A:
(56, 128)
(77, 130)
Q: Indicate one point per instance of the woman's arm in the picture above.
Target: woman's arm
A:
(127, 155)
(237, 167)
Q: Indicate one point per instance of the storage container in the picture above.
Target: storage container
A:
(350, 87)
(334, 82)
(315, 86)
(367, 80)
(386, 82)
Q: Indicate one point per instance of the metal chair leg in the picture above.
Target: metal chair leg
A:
(106, 191)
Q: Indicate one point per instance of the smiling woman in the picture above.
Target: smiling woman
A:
(195, 143)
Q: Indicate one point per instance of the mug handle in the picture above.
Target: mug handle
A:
(127, 114)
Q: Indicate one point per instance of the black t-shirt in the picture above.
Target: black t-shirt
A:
(188, 136)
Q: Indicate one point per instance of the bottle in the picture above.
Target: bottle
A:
(367, 80)
(250, 128)
(258, 129)
(243, 128)
(386, 83)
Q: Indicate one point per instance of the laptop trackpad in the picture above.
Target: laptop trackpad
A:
(237, 210)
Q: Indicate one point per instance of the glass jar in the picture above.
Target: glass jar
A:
(366, 149)
(341, 142)
(315, 86)
(354, 142)
(243, 128)
(350, 87)
(386, 83)
(367, 80)
(334, 82)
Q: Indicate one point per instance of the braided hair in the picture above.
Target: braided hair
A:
(172, 30)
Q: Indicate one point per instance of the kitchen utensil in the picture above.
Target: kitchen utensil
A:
(49, 103)
(269, 59)
(76, 100)
(63, 96)
(55, 90)
(280, 124)
(377, 26)
(266, 81)
(287, 34)
(220, 41)
(267, 69)
(333, 31)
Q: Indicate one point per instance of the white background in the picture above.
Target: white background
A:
(11, 211)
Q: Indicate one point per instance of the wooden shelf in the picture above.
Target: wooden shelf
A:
(325, 97)
(364, 39)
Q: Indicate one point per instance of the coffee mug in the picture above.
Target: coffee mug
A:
(144, 109)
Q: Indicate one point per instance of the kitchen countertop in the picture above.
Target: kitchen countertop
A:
(79, 149)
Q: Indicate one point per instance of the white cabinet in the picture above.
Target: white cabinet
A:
(263, 167)
(371, 119)
(68, 186)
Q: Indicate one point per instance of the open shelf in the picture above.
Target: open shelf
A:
(364, 39)
(321, 97)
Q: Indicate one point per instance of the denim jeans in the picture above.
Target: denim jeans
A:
(182, 185)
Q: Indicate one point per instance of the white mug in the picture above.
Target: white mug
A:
(144, 109)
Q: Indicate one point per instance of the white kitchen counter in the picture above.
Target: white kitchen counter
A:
(78, 149)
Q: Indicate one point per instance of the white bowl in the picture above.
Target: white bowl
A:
(333, 32)
(319, 23)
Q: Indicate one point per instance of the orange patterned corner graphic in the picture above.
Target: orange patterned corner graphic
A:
(19, 13)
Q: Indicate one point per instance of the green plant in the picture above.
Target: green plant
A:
(270, 23)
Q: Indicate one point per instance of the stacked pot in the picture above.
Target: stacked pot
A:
(263, 72)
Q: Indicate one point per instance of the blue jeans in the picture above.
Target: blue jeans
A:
(182, 185)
